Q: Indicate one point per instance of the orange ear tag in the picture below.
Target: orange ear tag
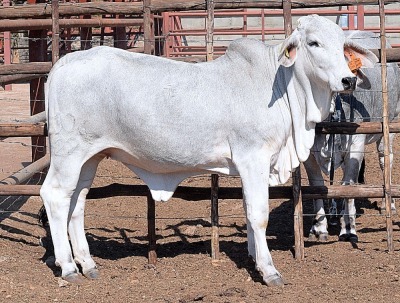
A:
(287, 55)
(354, 63)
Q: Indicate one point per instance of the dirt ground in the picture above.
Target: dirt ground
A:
(116, 228)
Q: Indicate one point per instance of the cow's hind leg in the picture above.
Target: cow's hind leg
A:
(56, 193)
(254, 175)
(76, 231)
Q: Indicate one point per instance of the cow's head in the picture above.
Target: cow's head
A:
(322, 52)
(317, 66)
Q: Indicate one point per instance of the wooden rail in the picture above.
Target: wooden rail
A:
(136, 8)
(204, 193)
(27, 129)
(32, 24)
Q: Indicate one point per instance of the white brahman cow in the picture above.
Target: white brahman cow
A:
(364, 104)
(251, 112)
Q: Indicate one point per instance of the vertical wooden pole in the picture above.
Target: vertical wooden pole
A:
(85, 33)
(214, 177)
(55, 28)
(147, 28)
(151, 229)
(298, 216)
(37, 53)
(151, 207)
(296, 176)
(119, 33)
(385, 115)
(210, 30)
(287, 17)
(214, 217)
(7, 48)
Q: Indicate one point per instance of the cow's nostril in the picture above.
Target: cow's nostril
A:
(349, 83)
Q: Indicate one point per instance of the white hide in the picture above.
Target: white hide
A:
(252, 113)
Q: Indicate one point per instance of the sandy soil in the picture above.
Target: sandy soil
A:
(117, 227)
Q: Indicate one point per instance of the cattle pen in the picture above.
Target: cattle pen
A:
(53, 27)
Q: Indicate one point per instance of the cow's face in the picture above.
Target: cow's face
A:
(321, 52)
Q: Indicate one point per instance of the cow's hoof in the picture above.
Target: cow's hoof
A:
(323, 237)
(312, 237)
(274, 281)
(74, 278)
(348, 238)
(92, 274)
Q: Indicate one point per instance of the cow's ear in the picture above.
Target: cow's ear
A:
(357, 57)
(366, 57)
(288, 52)
(362, 80)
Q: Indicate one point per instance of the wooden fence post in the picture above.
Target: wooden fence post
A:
(7, 48)
(385, 115)
(85, 32)
(214, 177)
(151, 207)
(55, 28)
(37, 53)
(151, 229)
(296, 176)
(147, 27)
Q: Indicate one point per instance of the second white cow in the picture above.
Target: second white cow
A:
(251, 112)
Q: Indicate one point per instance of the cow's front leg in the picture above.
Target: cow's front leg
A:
(319, 228)
(254, 172)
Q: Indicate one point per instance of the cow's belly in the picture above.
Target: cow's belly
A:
(219, 162)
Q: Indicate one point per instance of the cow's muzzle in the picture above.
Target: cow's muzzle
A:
(349, 83)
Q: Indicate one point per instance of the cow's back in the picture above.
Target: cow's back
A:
(155, 108)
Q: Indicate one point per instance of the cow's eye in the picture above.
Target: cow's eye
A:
(313, 44)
